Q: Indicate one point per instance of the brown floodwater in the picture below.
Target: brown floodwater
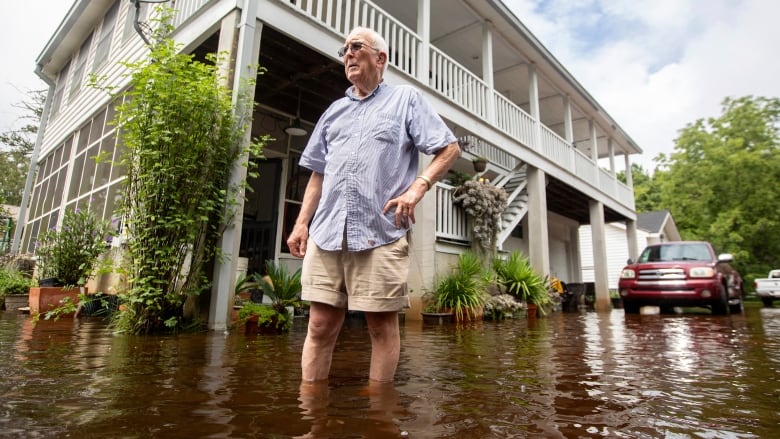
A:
(580, 374)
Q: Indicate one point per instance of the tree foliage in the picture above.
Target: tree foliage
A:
(182, 134)
(16, 146)
(721, 182)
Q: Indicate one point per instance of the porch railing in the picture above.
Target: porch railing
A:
(512, 120)
(451, 220)
(452, 80)
(341, 16)
(480, 148)
(186, 9)
(556, 149)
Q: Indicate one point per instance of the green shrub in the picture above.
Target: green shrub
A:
(13, 282)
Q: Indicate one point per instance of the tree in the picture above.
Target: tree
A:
(183, 135)
(16, 146)
(720, 182)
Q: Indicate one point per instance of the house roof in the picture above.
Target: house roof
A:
(652, 222)
(659, 221)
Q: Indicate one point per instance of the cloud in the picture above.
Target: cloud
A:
(657, 67)
(25, 28)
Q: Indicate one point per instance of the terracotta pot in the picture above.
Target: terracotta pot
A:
(532, 310)
(252, 327)
(43, 299)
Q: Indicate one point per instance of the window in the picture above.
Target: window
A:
(58, 92)
(103, 47)
(78, 69)
(297, 179)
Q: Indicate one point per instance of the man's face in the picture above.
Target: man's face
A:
(363, 64)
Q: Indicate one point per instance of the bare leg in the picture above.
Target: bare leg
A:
(324, 325)
(385, 345)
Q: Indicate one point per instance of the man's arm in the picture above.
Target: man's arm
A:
(300, 233)
(404, 204)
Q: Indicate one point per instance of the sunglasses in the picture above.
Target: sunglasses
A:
(354, 47)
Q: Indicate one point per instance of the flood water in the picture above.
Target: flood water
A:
(581, 374)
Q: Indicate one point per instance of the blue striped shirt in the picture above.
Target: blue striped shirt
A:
(367, 151)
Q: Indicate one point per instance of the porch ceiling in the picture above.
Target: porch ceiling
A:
(571, 203)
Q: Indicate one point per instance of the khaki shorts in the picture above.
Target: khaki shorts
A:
(371, 280)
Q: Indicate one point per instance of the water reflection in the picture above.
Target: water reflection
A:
(568, 375)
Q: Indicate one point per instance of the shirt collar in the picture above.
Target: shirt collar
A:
(351, 91)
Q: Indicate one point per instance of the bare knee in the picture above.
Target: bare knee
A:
(324, 323)
(382, 325)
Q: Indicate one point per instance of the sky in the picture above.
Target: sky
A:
(654, 65)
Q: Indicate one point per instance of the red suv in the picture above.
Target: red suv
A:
(681, 273)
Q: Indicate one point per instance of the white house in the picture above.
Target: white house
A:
(652, 227)
(552, 146)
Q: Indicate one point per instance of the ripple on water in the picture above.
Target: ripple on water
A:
(567, 375)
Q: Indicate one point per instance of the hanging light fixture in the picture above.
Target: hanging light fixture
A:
(296, 129)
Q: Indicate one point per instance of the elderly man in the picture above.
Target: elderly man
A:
(360, 200)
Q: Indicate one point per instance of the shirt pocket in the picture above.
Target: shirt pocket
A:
(387, 129)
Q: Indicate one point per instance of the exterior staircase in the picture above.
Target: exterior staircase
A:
(514, 183)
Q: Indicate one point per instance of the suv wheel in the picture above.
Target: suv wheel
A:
(721, 306)
(630, 307)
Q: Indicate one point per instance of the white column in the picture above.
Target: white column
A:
(568, 131)
(538, 241)
(424, 31)
(574, 257)
(533, 98)
(533, 91)
(422, 269)
(600, 267)
(629, 174)
(633, 247)
(594, 150)
(487, 71)
(241, 32)
(611, 148)
(568, 127)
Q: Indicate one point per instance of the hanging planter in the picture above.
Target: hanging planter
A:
(484, 204)
(480, 164)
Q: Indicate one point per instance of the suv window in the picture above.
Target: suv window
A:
(675, 252)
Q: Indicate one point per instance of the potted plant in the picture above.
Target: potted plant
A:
(68, 258)
(261, 318)
(281, 286)
(462, 292)
(502, 306)
(480, 164)
(520, 280)
(14, 289)
(617, 301)
(431, 313)
(283, 289)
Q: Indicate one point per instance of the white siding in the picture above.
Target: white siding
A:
(617, 251)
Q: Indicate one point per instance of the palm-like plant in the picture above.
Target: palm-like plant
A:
(519, 278)
(280, 285)
(463, 290)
